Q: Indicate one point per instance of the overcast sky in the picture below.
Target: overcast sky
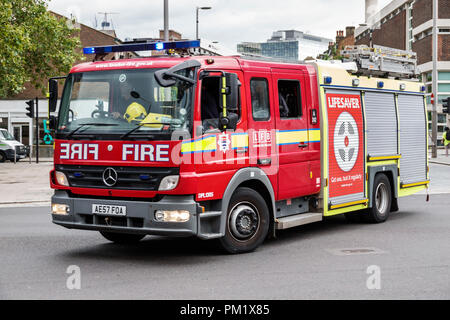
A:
(229, 21)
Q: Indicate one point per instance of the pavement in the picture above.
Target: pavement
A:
(441, 158)
(23, 184)
(408, 257)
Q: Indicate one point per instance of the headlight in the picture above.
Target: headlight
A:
(169, 183)
(61, 179)
(172, 216)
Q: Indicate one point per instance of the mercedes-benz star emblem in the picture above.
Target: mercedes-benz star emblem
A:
(110, 177)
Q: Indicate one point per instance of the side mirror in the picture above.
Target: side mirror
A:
(53, 95)
(229, 122)
(167, 77)
(52, 122)
(229, 101)
(229, 92)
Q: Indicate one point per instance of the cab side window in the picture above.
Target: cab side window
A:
(260, 99)
(290, 99)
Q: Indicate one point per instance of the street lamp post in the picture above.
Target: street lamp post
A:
(435, 83)
(166, 20)
(198, 9)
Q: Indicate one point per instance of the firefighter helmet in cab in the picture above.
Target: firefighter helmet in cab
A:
(135, 113)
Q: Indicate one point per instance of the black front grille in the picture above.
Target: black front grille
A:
(20, 150)
(128, 178)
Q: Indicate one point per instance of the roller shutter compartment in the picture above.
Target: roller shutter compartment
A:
(381, 124)
(413, 144)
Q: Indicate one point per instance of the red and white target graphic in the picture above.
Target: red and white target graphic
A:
(346, 141)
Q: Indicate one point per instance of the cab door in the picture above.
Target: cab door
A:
(295, 177)
(261, 123)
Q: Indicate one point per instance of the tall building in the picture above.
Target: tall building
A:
(408, 25)
(287, 45)
(251, 48)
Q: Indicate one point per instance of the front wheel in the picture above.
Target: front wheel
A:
(122, 238)
(247, 222)
(2, 156)
(381, 200)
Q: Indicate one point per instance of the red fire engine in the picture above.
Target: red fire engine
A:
(229, 148)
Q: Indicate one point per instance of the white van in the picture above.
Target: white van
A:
(7, 146)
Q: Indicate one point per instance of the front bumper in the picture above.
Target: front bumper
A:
(140, 218)
(19, 154)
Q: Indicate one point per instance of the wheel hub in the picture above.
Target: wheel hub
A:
(244, 221)
(381, 198)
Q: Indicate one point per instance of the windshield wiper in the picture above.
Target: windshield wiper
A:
(140, 125)
(90, 124)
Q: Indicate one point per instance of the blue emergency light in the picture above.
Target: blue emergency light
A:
(145, 46)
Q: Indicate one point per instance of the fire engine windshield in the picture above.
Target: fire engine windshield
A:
(124, 103)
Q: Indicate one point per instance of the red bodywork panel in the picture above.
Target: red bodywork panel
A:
(207, 178)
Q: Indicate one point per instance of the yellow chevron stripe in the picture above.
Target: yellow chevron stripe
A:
(242, 140)
(207, 144)
(297, 136)
(239, 141)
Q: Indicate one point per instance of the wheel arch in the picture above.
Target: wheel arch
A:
(253, 178)
(391, 172)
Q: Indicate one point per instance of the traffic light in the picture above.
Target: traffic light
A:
(30, 108)
(446, 105)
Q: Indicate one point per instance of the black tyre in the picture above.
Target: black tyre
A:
(122, 238)
(381, 200)
(247, 222)
(2, 156)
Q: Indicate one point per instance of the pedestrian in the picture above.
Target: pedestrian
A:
(446, 139)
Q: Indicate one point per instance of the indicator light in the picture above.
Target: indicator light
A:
(61, 179)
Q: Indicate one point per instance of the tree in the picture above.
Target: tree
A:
(35, 45)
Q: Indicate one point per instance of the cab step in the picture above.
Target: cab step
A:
(297, 220)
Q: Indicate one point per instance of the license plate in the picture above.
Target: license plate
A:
(105, 209)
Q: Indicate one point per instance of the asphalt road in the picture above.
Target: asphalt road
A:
(412, 251)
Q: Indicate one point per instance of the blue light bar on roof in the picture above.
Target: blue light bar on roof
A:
(146, 46)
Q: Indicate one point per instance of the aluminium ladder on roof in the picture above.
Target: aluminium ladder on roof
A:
(382, 61)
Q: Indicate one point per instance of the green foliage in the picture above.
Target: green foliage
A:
(35, 45)
(331, 54)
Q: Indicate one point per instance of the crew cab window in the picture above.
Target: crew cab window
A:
(260, 99)
(290, 100)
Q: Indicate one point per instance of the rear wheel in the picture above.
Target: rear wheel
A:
(122, 238)
(2, 156)
(381, 200)
(247, 222)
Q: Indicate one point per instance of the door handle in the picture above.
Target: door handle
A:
(303, 145)
(264, 162)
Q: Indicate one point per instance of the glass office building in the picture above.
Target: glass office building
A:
(287, 45)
